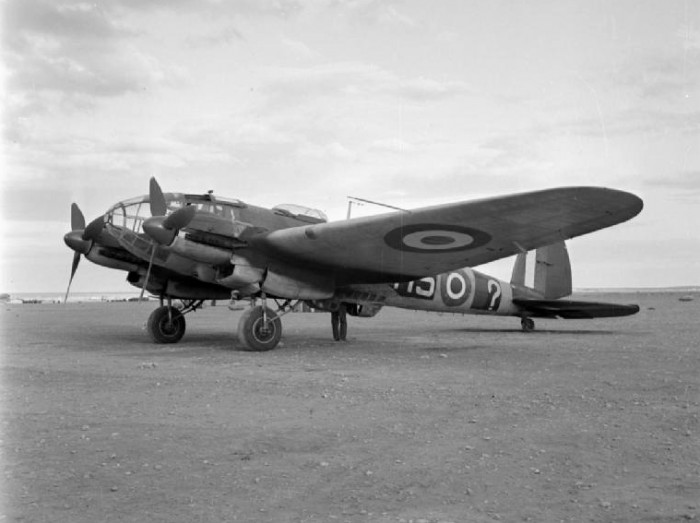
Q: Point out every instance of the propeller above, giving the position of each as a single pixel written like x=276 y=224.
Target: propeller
x=156 y=198
x=181 y=218
x=77 y=241
x=77 y=220
x=148 y=272
x=94 y=228
x=161 y=228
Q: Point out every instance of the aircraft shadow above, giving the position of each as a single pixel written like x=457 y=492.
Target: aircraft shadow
x=561 y=332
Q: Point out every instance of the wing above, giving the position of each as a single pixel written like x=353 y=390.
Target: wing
x=407 y=245
x=571 y=310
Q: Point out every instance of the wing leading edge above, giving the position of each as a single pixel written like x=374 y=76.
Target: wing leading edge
x=431 y=240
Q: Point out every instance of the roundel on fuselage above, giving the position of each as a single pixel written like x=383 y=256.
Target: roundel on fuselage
x=435 y=238
x=455 y=288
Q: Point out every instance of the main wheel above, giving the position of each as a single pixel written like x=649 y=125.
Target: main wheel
x=257 y=335
x=166 y=325
x=528 y=324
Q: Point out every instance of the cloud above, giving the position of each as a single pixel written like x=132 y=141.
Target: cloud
x=53 y=20
x=392 y=145
x=428 y=89
x=644 y=120
x=685 y=184
x=352 y=79
x=669 y=75
x=71 y=55
x=372 y=12
x=299 y=49
x=333 y=150
x=225 y=36
x=217 y=8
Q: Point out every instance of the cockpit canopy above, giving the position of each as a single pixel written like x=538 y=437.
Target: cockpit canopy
x=300 y=212
x=131 y=213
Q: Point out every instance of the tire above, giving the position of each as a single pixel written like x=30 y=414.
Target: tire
x=527 y=324
x=162 y=329
x=252 y=334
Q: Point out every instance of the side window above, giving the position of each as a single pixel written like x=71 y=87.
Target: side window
x=228 y=212
x=174 y=205
x=132 y=218
x=118 y=217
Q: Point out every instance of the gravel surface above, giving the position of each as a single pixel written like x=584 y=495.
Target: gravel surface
x=418 y=417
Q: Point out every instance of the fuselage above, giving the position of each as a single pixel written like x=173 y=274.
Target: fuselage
x=462 y=291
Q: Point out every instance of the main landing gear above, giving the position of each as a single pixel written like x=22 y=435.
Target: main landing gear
x=260 y=328
x=166 y=324
x=528 y=324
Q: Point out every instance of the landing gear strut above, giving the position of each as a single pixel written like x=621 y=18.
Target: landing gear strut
x=528 y=324
x=166 y=324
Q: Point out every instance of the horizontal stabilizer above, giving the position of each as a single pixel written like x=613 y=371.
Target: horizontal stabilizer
x=571 y=310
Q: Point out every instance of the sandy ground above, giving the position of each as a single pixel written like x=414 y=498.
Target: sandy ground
x=418 y=417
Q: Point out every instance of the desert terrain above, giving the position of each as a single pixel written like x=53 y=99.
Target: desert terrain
x=418 y=417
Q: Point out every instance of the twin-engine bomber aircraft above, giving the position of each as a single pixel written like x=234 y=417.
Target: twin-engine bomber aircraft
x=194 y=248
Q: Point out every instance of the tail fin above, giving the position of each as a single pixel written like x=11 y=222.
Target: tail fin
x=552 y=271
x=518 y=277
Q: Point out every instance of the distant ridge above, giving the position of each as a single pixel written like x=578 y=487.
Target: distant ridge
x=77 y=297
x=684 y=289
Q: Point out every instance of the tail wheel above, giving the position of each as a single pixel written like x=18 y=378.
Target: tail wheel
x=255 y=333
x=166 y=325
x=527 y=324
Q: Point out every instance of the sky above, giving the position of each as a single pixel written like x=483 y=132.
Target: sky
x=410 y=103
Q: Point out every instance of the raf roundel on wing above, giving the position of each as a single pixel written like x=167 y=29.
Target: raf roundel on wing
x=435 y=238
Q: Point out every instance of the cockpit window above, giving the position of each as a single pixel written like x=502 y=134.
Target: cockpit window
x=305 y=214
x=217 y=208
x=130 y=214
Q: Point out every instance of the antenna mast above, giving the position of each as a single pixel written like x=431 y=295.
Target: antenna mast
x=360 y=201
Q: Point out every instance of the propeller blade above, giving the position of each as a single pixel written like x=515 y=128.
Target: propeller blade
x=76 y=261
x=94 y=228
x=155 y=196
x=77 y=220
x=180 y=218
x=148 y=272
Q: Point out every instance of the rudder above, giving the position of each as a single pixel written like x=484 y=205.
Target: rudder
x=553 y=271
